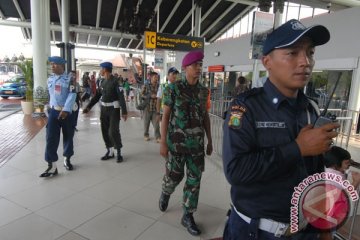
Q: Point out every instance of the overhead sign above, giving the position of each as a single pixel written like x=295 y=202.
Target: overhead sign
x=155 y=40
x=159 y=59
x=262 y=25
x=216 y=68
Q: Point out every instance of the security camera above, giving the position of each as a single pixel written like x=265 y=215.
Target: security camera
x=328 y=6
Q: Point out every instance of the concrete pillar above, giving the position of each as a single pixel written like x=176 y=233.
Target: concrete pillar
x=47 y=27
x=65 y=19
x=40 y=49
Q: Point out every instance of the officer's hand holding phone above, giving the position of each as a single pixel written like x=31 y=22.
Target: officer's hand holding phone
x=314 y=141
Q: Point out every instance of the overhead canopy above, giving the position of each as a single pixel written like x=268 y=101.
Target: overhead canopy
x=121 y=23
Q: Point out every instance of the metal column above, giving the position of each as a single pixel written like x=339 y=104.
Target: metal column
x=65 y=19
x=197 y=20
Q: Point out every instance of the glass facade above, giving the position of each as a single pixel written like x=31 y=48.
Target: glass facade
x=322 y=85
x=291 y=11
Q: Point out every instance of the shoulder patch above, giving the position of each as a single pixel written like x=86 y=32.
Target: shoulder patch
x=235 y=120
x=236 y=115
x=237 y=108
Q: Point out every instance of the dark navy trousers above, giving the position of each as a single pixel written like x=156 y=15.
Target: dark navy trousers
x=53 y=128
x=110 y=127
x=237 y=229
x=75 y=116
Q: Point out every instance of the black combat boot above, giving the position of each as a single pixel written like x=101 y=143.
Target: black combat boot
x=119 y=158
x=50 y=171
x=163 y=201
x=188 y=222
x=108 y=155
x=67 y=164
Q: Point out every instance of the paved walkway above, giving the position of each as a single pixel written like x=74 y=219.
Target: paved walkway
x=98 y=200
x=101 y=200
x=17 y=130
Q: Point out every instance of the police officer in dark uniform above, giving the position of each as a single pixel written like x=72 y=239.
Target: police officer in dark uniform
x=62 y=98
x=270 y=144
x=111 y=97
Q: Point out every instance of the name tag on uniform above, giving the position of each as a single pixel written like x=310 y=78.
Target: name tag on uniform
x=270 y=125
x=57 y=89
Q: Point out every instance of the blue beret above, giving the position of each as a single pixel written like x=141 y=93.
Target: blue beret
x=106 y=65
x=291 y=31
x=56 y=60
x=192 y=57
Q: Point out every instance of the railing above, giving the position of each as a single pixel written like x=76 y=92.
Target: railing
x=349 y=126
x=348 y=120
x=217 y=133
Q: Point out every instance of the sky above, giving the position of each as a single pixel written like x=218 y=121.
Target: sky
x=12 y=42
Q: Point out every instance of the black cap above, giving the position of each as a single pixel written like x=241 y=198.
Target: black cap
x=173 y=70
x=291 y=31
x=152 y=73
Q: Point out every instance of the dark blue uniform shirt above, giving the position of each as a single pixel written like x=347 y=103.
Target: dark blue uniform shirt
x=262 y=161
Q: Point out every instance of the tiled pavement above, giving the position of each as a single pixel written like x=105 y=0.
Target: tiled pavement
x=17 y=130
x=100 y=200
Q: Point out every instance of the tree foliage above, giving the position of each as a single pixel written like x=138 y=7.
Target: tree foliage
x=27 y=69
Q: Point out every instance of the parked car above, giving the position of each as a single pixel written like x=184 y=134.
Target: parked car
x=14 y=87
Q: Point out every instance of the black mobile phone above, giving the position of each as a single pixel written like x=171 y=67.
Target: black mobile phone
x=322 y=120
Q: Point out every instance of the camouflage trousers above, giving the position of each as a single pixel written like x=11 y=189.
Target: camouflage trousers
x=175 y=165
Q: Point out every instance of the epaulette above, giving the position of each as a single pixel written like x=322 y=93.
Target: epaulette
x=241 y=98
x=252 y=92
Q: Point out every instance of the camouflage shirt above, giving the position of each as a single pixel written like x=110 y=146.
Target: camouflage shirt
x=147 y=91
x=186 y=124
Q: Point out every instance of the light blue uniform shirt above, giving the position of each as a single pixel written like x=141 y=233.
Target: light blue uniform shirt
x=61 y=91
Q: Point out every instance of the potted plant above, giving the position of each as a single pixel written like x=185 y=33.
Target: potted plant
x=27 y=69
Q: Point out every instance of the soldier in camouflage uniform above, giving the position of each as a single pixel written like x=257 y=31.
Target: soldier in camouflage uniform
x=150 y=115
x=184 y=124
